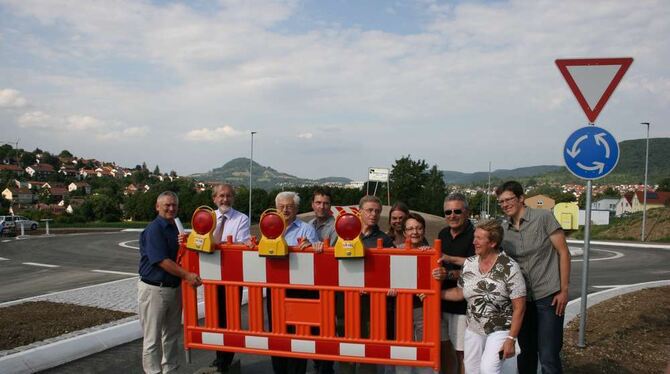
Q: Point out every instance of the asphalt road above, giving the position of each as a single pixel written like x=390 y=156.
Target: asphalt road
x=77 y=260
x=42 y=264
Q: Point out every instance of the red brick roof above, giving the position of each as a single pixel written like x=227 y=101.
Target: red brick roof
x=653 y=197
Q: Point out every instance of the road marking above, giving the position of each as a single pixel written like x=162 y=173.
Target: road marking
x=113 y=272
x=40 y=265
x=126 y=245
x=615 y=256
x=4 y=259
x=6 y=241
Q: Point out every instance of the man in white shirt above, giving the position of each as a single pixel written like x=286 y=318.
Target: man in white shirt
x=229 y=222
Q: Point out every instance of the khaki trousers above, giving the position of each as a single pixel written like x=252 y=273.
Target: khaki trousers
x=160 y=317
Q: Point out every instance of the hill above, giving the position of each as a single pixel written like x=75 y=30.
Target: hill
x=629 y=170
x=236 y=172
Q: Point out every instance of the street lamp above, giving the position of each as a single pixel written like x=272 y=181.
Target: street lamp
x=251 y=162
x=646 y=170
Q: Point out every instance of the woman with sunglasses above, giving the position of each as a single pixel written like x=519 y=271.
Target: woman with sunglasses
x=495 y=291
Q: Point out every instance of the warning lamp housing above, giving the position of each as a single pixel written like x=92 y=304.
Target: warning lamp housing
x=349 y=245
x=273 y=226
x=203 y=223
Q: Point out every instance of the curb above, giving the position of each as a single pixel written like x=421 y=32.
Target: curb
x=572 y=310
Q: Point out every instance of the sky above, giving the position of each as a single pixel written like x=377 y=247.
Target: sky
x=331 y=87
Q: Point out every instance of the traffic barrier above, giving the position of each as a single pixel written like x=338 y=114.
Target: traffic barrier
x=310 y=328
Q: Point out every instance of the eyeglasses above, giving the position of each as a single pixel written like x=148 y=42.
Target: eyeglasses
x=505 y=201
x=454 y=211
x=416 y=228
x=286 y=207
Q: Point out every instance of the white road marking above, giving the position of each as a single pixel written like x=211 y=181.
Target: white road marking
x=40 y=265
x=114 y=272
x=4 y=259
x=126 y=245
x=6 y=241
x=613 y=257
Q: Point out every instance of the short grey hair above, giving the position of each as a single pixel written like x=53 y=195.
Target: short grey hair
x=288 y=195
x=457 y=196
x=221 y=186
x=168 y=194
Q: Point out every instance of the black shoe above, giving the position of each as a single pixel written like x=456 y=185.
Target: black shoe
x=219 y=366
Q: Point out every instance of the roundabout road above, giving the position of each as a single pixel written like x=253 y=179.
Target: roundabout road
x=40 y=264
x=43 y=264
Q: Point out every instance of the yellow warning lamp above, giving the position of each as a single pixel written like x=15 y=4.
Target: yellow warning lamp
x=349 y=245
x=203 y=223
x=272 y=225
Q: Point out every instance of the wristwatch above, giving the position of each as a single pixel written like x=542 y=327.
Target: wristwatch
x=512 y=338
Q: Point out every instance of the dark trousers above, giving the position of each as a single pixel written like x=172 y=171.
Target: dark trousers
x=223 y=359
x=541 y=333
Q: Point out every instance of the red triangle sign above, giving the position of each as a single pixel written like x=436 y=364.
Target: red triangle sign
x=593 y=80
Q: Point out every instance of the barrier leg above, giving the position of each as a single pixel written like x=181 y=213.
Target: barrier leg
x=352 y=314
x=255 y=308
x=378 y=316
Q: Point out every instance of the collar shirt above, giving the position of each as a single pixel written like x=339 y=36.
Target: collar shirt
x=325 y=229
x=370 y=240
x=158 y=242
x=236 y=225
x=300 y=229
x=461 y=246
x=531 y=247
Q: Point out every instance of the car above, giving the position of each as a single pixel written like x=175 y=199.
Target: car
x=15 y=222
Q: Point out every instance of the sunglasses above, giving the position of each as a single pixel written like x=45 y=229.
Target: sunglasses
x=455 y=211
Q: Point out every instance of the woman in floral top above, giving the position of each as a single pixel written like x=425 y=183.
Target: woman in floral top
x=494 y=288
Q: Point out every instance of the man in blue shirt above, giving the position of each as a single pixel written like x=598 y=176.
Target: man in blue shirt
x=158 y=292
x=298 y=234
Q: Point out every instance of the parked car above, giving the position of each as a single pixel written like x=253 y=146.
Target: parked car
x=15 y=222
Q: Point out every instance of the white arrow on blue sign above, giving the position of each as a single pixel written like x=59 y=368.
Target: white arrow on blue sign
x=591 y=152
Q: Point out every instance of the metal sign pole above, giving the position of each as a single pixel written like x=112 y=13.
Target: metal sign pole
x=585 y=266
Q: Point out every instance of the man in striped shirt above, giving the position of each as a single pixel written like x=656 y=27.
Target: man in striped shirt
x=536 y=241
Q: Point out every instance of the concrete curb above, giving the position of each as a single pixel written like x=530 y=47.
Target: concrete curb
x=572 y=310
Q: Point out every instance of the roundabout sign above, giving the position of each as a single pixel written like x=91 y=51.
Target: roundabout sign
x=591 y=152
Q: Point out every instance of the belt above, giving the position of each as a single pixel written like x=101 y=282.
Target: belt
x=159 y=284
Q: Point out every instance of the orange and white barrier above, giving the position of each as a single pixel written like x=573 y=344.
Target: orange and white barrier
x=408 y=271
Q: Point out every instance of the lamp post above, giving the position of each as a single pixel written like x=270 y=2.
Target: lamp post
x=251 y=163
x=646 y=170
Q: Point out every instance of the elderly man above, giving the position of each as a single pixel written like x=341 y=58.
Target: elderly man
x=158 y=292
x=302 y=235
x=457 y=245
x=229 y=222
x=535 y=240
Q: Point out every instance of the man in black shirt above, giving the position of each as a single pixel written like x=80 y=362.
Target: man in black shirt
x=457 y=245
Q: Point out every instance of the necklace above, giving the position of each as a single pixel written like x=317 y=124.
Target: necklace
x=486 y=266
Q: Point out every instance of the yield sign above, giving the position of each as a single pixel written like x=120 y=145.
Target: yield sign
x=593 y=80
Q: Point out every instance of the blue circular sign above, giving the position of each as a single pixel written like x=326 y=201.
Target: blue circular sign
x=591 y=152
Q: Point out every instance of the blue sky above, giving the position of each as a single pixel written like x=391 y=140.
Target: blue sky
x=331 y=87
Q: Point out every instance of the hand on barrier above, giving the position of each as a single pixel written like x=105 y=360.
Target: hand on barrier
x=425 y=248
x=392 y=292
x=440 y=273
x=318 y=247
x=181 y=239
x=193 y=279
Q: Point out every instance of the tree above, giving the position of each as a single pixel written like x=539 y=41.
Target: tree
x=157 y=170
x=432 y=196
x=664 y=185
x=407 y=179
x=65 y=154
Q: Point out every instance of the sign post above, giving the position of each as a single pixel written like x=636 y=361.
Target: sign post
x=591 y=152
x=379 y=175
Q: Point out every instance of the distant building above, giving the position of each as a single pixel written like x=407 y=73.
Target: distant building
x=19 y=195
x=608 y=204
x=540 y=202
x=624 y=205
x=654 y=200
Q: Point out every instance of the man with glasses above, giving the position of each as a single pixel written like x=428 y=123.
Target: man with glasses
x=298 y=234
x=457 y=245
x=535 y=240
x=371 y=210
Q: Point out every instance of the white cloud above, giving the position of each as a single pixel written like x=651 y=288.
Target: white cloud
x=83 y=122
x=37 y=119
x=305 y=135
x=10 y=98
x=212 y=135
x=127 y=133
